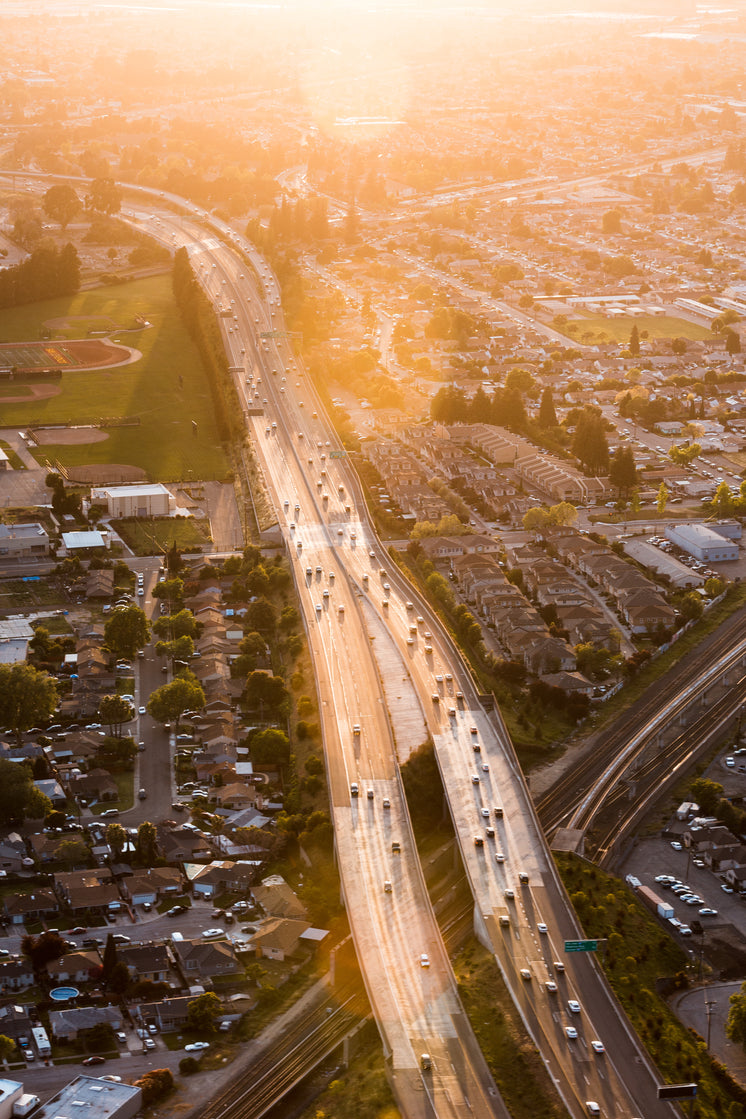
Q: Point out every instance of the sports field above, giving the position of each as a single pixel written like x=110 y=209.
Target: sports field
x=165 y=390
x=594 y=330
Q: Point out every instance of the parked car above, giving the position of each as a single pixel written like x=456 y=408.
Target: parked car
x=95 y=1060
x=196 y=1046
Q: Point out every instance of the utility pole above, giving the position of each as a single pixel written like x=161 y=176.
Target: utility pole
x=708 y=1010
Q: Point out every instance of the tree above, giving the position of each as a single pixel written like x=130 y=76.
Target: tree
x=71 y=852
x=114 y=712
x=589 y=443
x=611 y=222
x=202 y=1012
x=678 y=346
x=261 y=617
x=181 y=624
x=662 y=500
x=547 y=414
x=735 y=1025
x=732 y=342
x=126 y=630
x=7 y=1048
x=185 y=693
x=19 y=796
x=634 y=341
x=156 y=1084
x=270 y=745
x=147 y=843
x=42 y=949
x=61 y=204
x=27 y=697
x=535 y=520
x=265 y=691
x=170 y=590
x=116 y=839
x=180 y=649
x=105 y=197
x=622 y=470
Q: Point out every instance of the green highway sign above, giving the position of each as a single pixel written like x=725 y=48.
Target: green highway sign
x=338 y=454
x=581 y=945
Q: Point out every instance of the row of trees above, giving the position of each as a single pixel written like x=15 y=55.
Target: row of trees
x=45 y=274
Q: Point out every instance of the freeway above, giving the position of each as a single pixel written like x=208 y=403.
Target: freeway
x=408 y=977
x=565 y=1004
x=521 y=910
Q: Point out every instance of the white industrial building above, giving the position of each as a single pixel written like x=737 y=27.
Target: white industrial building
x=88 y=1097
x=702 y=542
x=17 y=541
x=10 y=1092
x=147 y=500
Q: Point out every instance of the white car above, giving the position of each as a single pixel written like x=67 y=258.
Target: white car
x=424 y=960
x=142 y=710
x=212 y=934
x=573 y=1006
x=197 y=1046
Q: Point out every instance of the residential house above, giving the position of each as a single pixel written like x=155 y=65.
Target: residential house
x=68 y=1025
x=279 y=937
x=277 y=898
x=145 y=962
x=75 y=967
x=217 y=877
x=34 y=906
x=15 y=1021
x=203 y=960
x=15 y=975
x=93 y=786
x=167 y=1014
x=13 y=853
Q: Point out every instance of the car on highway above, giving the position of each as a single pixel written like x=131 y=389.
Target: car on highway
x=571 y=1032
x=598 y=1046
x=558 y=966
x=573 y=1006
x=592 y=1107
x=424 y=960
x=499 y=857
x=525 y=974
x=196 y=1046
x=551 y=987
x=542 y=928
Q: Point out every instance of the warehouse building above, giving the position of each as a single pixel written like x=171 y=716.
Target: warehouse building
x=703 y=543
x=134 y=501
x=88 y=1097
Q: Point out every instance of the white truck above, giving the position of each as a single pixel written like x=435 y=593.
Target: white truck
x=24 y=1105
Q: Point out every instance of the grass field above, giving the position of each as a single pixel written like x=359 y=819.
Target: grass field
x=147 y=538
x=165 y=389
x=618 y=330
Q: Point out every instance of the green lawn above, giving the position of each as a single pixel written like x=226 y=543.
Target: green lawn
x=149 y=537
x=165 y=390
x=618 y=330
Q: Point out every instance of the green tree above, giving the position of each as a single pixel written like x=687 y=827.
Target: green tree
x=261 y=617
x=735 y=1025
x=547 y=414
x=105 y=197
x=155 y=1085
x=722 y=502
x=114 y=712
x=662 y=500
x=8 y=1049
x=732 y=342
x=170 y=701
x=28 y=696
x=180 y=649
x=61 y=204
x=72 y=852
x=589 y=443
x=126 y=630
x=536 y=520
x=611 y=222
x=147 y=843
x=270 y=745
x=116 y=839
x=202 y=1012
x=266 y=693
x=634 y=341
x=173 y=626
x=622 y=470
x=42 y=949
x=19 y=797
x=170 y=591
x=707 y=794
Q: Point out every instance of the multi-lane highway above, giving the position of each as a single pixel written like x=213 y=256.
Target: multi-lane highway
x=357 y=629
x=350 y=592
